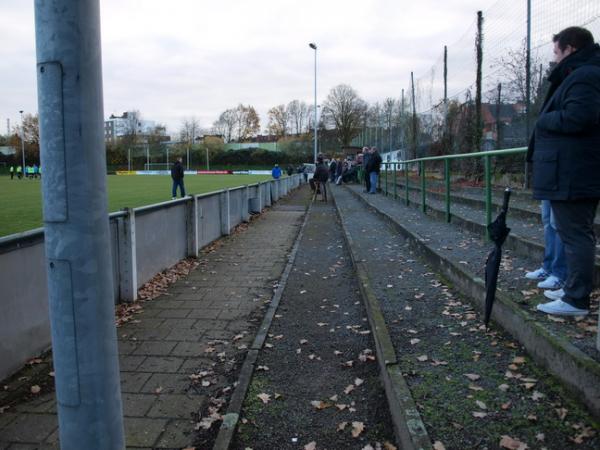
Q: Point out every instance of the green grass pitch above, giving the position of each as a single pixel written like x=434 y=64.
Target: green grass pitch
x=21 y=200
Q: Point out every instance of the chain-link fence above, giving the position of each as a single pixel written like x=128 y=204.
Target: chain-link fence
x=451 y=108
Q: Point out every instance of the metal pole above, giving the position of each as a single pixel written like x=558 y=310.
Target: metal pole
x=207 y=164
x=77 y=236
x=447 y=179
x=22 y=144
x=488 y=192
x=414 y=117
x=423 y=186
x=528 y=89
x=315 y=152
x=395 y=183
x=147 y=156
x=129 y=159
x=167 y=157
x=406 y=186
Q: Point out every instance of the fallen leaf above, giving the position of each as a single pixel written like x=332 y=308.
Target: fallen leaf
x=303 y=341
x=505 y=406
x=349 y=389
x=337 y=353
x=437 y=445
x=357 y=428
x=503 y=387
x=537 y=396
x=341 y=426
x=472 y=376
x=540 y=437
x=311 y=446
x=266 y=398
x=474 y=387
x=358 y=381
x=512 y=444
x=265 y=368
x=388 y=446
x=555 y=319
x=479 y=415
x=414 y=341
x=35 y=389
x=422 y=358
x=334 y=398
x=562 y=413
x=319 y=404
x=341 y=406
x=519 y=360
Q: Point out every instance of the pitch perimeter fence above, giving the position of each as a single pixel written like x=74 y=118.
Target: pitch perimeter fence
x=144 y=242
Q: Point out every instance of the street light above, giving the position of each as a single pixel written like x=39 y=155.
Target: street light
x=22 y=143
x=314 y=47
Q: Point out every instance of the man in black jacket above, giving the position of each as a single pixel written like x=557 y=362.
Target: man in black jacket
x=372 y=168
x=565 y=152
x=321 y=173
x=177 y=175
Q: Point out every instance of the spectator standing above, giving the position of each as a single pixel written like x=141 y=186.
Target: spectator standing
x=553 y=273
x=321 y=173
x=373 y=168
x=365 y=162
x=276 y=172
x=564 y=152
x=12 y=171
x=332 y=169
x=177 y=174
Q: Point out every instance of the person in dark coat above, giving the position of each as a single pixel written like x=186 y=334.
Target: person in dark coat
x=332 y=169
x=321 y=173
x=177 y=176
x=366 y=155
x=373 y=167
x=565 y=152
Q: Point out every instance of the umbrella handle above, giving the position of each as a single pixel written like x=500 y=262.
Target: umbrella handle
x=507 y=193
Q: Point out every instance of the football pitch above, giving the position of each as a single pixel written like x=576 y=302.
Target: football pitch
x=21 y=200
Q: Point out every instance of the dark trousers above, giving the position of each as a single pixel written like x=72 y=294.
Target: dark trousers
x=367 y=181
x=181 y=188
x=575 y=226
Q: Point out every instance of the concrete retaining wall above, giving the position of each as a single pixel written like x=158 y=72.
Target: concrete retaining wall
x=144 y=241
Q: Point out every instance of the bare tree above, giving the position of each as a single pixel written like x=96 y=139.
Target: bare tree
x=344 y=109
x=513 y=67
x=278 y=121
x=225 y=125
x=298 y=116
x=247 y=122
x=190 y=130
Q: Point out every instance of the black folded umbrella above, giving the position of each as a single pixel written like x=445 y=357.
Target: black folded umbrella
x=498 y=231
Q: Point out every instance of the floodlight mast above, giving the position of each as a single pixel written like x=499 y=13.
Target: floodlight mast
x=314 y=47
x=77 y=235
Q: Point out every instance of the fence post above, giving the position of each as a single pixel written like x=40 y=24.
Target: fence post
x=224 y=209
x=191 y=225
x=406 y=186
x=127 y=257
x=267 y=191
x=423 y=186
x=386 y=166
x=395 y=183
x=447 y=180
x=488 y=191
x=245 y=203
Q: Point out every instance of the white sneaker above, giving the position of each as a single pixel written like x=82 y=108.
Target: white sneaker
x=560 y=308
x=558 y=294
x=551 y=282
x=539 y=274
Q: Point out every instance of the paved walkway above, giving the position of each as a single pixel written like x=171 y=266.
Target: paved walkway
x=181 y=355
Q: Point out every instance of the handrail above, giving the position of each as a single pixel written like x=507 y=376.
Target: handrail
x=487 y=155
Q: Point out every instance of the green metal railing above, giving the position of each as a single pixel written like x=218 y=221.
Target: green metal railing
x=405 y=166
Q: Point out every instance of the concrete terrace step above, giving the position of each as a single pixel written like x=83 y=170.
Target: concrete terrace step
x=522 y=205
x=526 y=237
x=566 y=348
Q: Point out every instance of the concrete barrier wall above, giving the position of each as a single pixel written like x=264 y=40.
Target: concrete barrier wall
x=144 y=241
x=166 y=228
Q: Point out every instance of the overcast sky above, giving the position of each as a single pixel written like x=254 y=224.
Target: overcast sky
x=184 y=58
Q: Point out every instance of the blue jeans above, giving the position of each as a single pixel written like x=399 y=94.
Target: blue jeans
x=181 y=188
x=373 y=178
x=555 y=261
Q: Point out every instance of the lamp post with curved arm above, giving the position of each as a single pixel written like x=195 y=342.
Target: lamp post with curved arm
x=314 y=47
